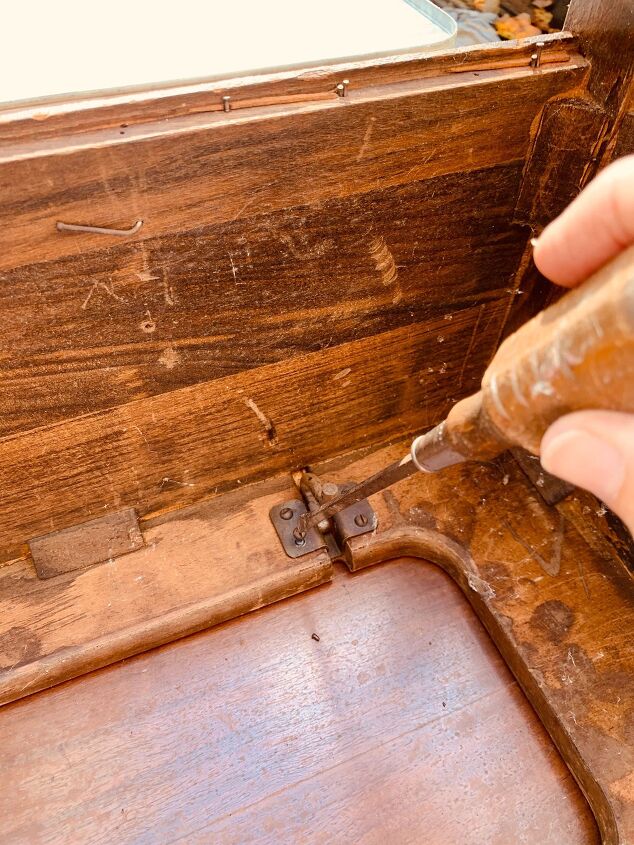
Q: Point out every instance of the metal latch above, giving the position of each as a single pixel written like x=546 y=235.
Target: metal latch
x=330 y=534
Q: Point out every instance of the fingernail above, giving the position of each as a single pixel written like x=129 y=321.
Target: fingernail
x=534 y=242
x=583 y=459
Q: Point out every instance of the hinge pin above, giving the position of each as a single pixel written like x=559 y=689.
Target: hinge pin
x=226 y=103
x=342 y=88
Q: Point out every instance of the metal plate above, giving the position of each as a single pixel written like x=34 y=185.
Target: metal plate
x=285 y=527
x=356 y=520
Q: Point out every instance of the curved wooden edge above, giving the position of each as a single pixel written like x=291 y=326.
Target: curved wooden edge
x=429 y=545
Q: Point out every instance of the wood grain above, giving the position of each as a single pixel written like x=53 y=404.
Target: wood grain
x=85 y=113
x=559 y=612
x=201 y=171
x=81 y=334
x=188 y=444
x=401 y=723
x=204 y=566
x=606 y=34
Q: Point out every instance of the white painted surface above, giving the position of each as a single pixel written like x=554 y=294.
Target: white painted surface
x=53 y=47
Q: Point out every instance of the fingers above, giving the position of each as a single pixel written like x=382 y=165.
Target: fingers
x=593 y=229
x=595 y=450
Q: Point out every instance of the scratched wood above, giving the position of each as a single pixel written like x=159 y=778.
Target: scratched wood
x=400 y=724
x=179 y=447
x=136 y=320
x=560 y=612
x=202 y=567
x=203 y=170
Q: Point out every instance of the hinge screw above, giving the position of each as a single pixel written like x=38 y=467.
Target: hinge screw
x=286 y=513
x=360 y=520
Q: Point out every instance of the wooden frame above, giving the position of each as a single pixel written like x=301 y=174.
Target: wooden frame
x=376 y=249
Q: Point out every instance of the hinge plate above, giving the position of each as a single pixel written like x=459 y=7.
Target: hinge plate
x=285 y=518
x=355 y=520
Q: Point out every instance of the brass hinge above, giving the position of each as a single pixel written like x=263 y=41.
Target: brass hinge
x=330 y=534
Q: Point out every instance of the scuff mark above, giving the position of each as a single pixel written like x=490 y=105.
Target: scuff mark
x=342 y=373
x=148 y=325
x=366 y=138
x=386 y=266
x=480 y=586
x=169 y=358
x=108 y=287
x=269 y=427
x=233 y=266
x=474 y=334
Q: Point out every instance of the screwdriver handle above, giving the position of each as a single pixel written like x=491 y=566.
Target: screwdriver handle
x=577 y=354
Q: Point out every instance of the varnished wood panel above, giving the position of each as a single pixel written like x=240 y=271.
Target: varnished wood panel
x=560 y=612
x=177 y=448
x=200 y=171
x=400 y=724
x=83 y=334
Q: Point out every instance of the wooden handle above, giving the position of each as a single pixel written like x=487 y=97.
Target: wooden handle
x=576 y=355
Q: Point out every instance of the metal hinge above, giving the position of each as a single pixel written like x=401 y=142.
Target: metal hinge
x=330 y=534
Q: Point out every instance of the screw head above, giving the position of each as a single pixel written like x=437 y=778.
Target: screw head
x=286 y=513
x=360 y=520
x=299 y=541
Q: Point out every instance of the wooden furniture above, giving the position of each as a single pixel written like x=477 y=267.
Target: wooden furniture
x=300 y=274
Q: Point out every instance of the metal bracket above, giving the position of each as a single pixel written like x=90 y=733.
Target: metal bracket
x=353 y=521
x=284 y=518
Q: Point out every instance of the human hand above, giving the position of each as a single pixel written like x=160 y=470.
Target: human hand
x=592 y=449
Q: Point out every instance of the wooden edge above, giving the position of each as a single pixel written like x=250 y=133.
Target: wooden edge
x=428 y=545
x=199 y=567
x=101 y=110
x=76 y=660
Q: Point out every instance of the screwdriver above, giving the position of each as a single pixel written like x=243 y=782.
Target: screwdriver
x=578 y=354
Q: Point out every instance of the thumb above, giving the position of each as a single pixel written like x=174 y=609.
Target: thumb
x=595 y=450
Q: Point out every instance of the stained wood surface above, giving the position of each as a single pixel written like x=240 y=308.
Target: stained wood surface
x=289 y=256
x=178 y=448
x=400 y=723
x=196 y=570
x=576 y=135
x=135 y=321
x=560 y=612
x=85 y=113
x=200 y=171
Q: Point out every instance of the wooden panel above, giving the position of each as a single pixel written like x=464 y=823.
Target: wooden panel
x=560 y=613
x=606 y=33
x=401 y=724
x=82 y=334
x=561 y=161
x=177 y=448
x=197 y=568
x=202 y=171
x=84 y=113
